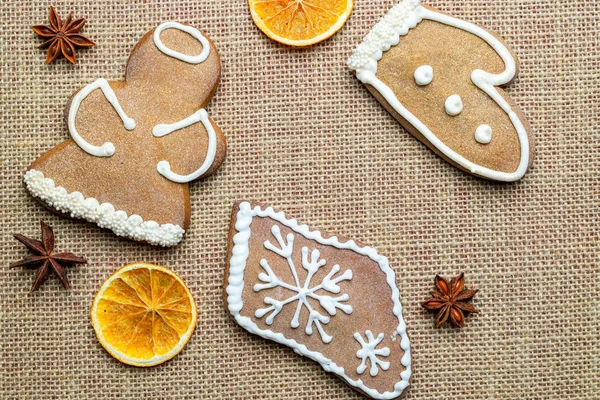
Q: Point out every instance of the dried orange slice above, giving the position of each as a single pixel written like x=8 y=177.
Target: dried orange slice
x=300 y=22
x=144 y=314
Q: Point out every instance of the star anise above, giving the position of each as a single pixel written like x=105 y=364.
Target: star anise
x=63 y=37
x=451 y=300
x=45 y=259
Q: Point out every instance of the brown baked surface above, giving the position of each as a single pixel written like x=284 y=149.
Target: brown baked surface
x=158 y=89
x=454 y=54
x=369 y=295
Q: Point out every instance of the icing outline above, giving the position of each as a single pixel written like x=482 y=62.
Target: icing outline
x=196 y=34
x=237 y=265
x=104 y=215
x=107 y=149
x=164 y=168
x=386 y=33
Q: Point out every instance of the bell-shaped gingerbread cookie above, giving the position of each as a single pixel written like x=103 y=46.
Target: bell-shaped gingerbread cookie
x=135 y=144
x=329 y=298
x=439 y=77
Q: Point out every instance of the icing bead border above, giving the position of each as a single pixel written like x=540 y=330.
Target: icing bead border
x=385 y=34
x=104 y=215
x=235 y=286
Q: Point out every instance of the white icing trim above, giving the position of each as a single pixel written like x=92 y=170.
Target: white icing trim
x=164 y=168
x=104 y=215
x=161 y=130
x=107 y=149
x=175 y=54
x=237 y=265
x=387 y=32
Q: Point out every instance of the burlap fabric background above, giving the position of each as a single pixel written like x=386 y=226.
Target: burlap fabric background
x=306 y=136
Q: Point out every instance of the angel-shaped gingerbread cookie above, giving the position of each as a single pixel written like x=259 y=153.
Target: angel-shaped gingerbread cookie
x=136 y=144
x=439 y=77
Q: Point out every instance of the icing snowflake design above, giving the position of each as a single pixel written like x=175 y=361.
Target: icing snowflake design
x=302 y=293
x=369 y=351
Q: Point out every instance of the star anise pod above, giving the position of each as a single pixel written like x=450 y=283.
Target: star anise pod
x=451 y=300
x=63 y=37
x=45 y=259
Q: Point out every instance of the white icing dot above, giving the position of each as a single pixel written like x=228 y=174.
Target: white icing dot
x=454 y=105
x=424 y=75
x=483 y=134
x=104 y=215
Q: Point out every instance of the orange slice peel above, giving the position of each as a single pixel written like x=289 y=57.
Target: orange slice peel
x=144 y=314
x=300 y=22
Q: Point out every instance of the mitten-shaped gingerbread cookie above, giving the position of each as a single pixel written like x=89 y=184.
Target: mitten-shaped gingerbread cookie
x=327 y=297
x=135 y=144
x=439 y=77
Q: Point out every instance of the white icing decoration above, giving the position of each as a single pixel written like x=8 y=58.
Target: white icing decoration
x=175 y=54
x=387 y=32
x=164 y=168
x=107 y=149
x=237 y=265
x=483 y=134
x=104 y=215
x=302 y=291
x=384 y=35
x=369 y=352
x=453 y=105
x=424 y=75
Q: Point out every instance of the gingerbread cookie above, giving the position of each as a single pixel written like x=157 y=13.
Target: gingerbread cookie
x=439 y=77
x=135 y=144
x=331 y=299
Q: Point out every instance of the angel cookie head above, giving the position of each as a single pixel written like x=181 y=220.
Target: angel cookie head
x=439 y=77
x=136 y=144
